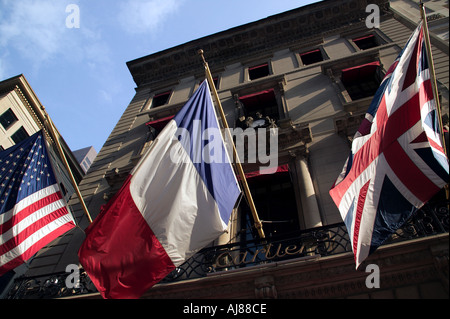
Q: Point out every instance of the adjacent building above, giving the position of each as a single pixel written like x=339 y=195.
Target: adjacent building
x=22 y=115
x=312 y=72
x=85 y=157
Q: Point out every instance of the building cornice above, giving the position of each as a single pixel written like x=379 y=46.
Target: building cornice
x=25 y=92
x=259 y=38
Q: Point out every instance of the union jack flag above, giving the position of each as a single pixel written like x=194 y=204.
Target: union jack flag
x=397 y=162
x=32 y=210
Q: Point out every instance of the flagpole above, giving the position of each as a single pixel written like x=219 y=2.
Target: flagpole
x=434 y=83
x=66 y=164
x=258 y=223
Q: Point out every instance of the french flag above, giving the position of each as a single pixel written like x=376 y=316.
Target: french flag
x=177 y=200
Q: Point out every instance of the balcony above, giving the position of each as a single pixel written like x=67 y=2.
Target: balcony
x=313 y=243
x=299 y=248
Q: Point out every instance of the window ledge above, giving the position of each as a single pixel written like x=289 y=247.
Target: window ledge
x=358 y=106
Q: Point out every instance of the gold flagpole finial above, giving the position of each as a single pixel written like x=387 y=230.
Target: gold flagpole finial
x=200 y=52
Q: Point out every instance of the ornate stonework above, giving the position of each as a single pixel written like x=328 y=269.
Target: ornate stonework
x=249 y=41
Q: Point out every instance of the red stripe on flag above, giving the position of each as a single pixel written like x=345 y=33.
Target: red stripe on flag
x=426 y=93
x=358 y=216
x=18 y=217
x=31 y=229
x=389 y=129
x=421 y=138
x=364 y=157
x=121 y=254
x=425 y=96
x=35 y=248
x=409 y=174
x=403 y=119
x=411 y=72
x=436 y=146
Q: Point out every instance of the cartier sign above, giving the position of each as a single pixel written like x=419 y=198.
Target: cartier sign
x=269 y=252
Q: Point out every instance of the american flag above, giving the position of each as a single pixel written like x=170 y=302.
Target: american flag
x=397 y=162
x=32 y=210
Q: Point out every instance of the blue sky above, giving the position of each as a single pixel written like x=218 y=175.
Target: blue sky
x=80 y=74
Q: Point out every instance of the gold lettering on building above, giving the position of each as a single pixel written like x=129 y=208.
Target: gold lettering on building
x=236 y=258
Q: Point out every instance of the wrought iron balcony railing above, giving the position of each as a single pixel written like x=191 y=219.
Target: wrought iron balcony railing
x=432 y=219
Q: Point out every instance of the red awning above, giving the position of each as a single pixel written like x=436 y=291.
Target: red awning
x=160 y=123
x=162 y=94
x=309 y=52
x=258 y=66
x=359 y=72
x=363 y=38
x=266 y=172
x=257 y=99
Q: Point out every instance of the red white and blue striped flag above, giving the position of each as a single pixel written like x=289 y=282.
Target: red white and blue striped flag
x=177 y=199
x=33 y=211
x=397 y=162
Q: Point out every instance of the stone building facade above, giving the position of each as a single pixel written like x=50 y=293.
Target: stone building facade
x=313 y=71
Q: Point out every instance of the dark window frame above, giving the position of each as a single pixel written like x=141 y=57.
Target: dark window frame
x=270 y=193
x=20 y=135
x=311 y=57
x=259 y=71
x=361 y=81
x=161 y=99
x=258 y=106
x=8 y=118
x=365 y=42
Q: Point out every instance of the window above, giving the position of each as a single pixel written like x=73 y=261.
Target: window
x=88 y=161
x=361 y=81
x=19 y=135
x=7 y=119
x=63 y=189
x=366 y=42
x=258 y=109
x=311 y=57
x=275 y=203
x=86 y=164
x=258 y=71
x=160 y=99
x=156 y=126
x=216 y=82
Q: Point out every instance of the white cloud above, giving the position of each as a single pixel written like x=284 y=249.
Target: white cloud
x=105 y=96
x=37 y=31
x=34 y=28
x=2 y=68
x=137 y=17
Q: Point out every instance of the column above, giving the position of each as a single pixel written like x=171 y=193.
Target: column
x=311 y=213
